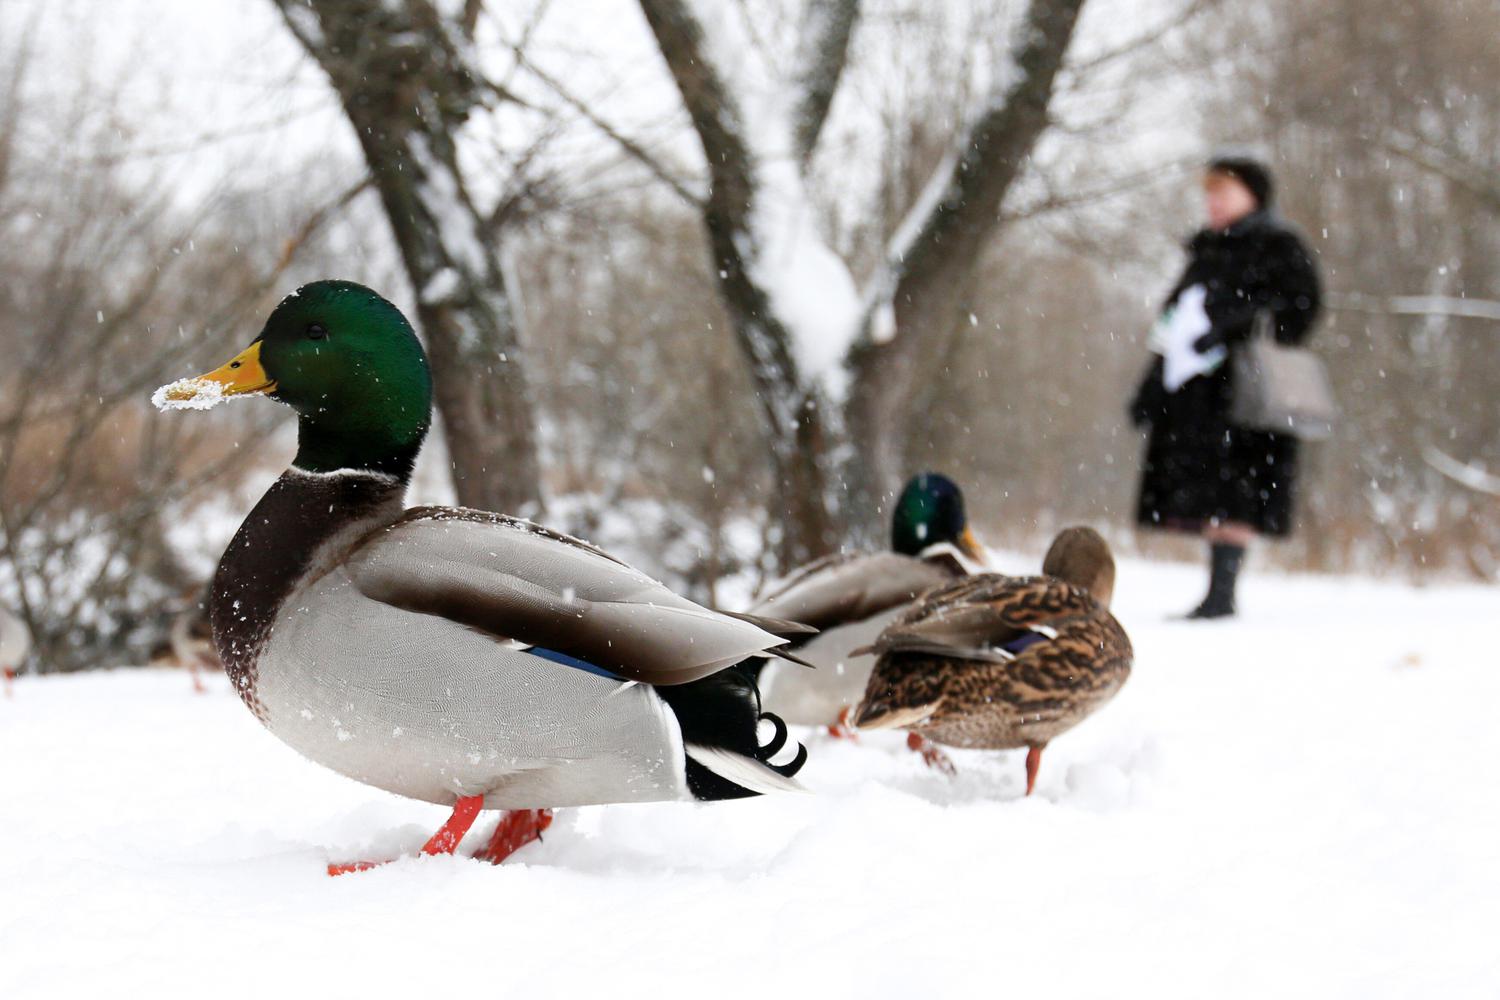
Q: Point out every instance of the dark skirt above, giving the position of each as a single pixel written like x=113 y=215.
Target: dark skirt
x=1200 y=469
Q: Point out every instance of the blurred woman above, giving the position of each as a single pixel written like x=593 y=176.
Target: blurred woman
x=1202 y=474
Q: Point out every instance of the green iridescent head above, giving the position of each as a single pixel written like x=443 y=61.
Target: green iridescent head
x=349 y=363
x=929 y=511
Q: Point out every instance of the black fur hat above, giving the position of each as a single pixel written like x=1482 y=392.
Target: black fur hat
x=1250 y=172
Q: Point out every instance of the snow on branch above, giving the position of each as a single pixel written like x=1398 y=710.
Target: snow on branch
x=745 y=113
x=1418 y=305
x=880 y=290
x=1473 y=477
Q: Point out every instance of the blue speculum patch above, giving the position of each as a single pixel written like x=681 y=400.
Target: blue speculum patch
x=572 y=661
x=1022 y=643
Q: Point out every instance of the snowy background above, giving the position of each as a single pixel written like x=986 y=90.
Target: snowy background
x=169 y=169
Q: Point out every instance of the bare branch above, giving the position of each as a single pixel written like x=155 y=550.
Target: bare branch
x=527 y=193
x=627 y=145
x=1469 y=476
x=314 y=222
x=195 y=144
x=14 y=102
x=708 y=102
x=469 y=19
x=1057 y=202
x=1472 y=178
x=1146 y=39
x=1416 y=305
x=820 y=65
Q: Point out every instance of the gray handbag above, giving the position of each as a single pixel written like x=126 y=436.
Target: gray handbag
x=1279 y=388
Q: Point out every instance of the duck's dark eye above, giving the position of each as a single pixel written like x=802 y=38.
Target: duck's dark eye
x=316 y=331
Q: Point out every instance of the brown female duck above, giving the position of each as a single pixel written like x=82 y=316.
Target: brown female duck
x=996 y=662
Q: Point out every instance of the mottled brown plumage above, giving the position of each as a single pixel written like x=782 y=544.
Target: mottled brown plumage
x=997 y=662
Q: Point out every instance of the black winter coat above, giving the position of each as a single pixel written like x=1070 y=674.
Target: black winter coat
x=1199 y=467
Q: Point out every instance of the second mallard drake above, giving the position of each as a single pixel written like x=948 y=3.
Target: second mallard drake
x=997 y=662
x=851 y=597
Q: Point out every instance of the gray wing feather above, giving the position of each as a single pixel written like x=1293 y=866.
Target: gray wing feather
x=969 y=632
x=844 y=589
x=503 y=578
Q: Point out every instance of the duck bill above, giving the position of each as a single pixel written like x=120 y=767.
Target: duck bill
x=242 y=375
x=971 y=546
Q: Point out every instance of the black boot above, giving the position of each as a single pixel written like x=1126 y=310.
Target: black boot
x=1225 y=564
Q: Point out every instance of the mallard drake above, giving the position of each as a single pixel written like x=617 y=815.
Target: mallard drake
x=457 y=656
x=15 y=644
x=852 y=597
x=998 y=662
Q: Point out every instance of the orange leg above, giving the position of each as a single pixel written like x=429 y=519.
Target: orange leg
x=1033 y=764
x=195 y=671
x=931 y=753
x=10 y=676
x=843 y=726
x=516 y=830
x=443 y=842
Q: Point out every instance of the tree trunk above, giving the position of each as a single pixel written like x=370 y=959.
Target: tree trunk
x=403 y=75
x=793 y=411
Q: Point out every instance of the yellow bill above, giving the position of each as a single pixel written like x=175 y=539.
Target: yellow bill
x=241 y=376
x=971 y=546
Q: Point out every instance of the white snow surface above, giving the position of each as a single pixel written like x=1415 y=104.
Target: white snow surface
x=1302 y=803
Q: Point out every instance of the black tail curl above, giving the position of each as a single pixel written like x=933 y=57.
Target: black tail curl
x=723 y=711
x=771 y=748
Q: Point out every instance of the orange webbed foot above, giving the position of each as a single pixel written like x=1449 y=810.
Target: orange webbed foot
x=842 y=728
x=932 y=754
x=1033 y=764
x=445 y=841
x=516 y=830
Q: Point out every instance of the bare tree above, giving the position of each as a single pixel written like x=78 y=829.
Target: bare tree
x=767 y=252
x=406 y=75
x=100 y=277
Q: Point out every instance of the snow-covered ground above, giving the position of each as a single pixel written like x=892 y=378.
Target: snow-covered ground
x=1303 y=803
